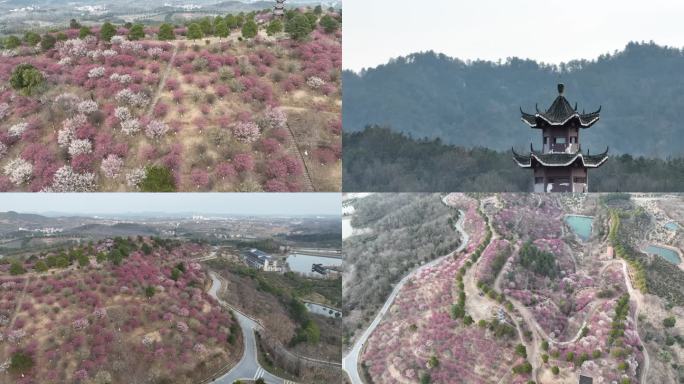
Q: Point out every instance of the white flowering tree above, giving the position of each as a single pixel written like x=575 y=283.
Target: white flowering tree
x=123 y=79
x=65 y=136
x=96 y=73
x=315 y=82
x=80 y=147
x=135 y=177
x=18 y=129
x=72 y=48
x=16 y=335
x=87 y=107
x=4 y=110
x=130 y=127
x=67 y=180
x=19 y=171
x=156 y=129
x=111 y=166
x=116 y=40
x=132 y=45
x=155 y=52
x=128 y=97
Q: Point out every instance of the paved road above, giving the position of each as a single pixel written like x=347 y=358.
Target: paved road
x=350 y=361
x=248 y=368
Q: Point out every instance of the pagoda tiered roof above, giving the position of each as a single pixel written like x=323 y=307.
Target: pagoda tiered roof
x=560 y=113
x=559 y=159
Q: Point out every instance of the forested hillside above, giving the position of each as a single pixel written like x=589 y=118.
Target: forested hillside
x=380 y=160
x=476 y=104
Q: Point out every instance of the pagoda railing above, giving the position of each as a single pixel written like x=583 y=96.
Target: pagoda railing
x=562 y=148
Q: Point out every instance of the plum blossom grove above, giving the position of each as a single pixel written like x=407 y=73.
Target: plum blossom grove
x=196 y=110
x=421 y=312
x=102 y=314
x=580 y=308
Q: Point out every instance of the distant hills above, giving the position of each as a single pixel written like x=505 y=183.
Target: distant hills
x=82 y=226
x=476 y=104
x=119 y=229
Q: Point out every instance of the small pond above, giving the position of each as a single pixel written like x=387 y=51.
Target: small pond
x=672 y=226
x=303 y=263
x=666 y=253
x=581 y=225
x=322 y=310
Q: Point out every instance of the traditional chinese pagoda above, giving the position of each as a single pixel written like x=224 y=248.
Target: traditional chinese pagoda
x=560 y=166
x=279 y=8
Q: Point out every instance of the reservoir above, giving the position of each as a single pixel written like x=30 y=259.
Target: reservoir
x=303 y=263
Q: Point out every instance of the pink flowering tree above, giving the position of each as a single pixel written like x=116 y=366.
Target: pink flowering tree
x=246 y=132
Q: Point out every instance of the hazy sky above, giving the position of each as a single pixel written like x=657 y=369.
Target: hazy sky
x=552 y=31
x=205 y=203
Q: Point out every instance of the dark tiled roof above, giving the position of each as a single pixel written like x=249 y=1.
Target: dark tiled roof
x=585 y=380
x=560 y=113
x=560 y=159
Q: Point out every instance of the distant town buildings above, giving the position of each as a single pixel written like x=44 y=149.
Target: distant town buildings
x=46 y=231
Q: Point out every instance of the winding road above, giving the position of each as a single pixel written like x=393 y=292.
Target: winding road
x=351 y=358
x=248 y=368
x=350 y=361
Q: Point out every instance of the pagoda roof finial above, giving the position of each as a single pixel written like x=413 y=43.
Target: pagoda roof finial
x=560 y=113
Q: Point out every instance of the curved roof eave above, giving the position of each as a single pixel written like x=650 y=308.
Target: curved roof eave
x=581 y=156
x=574 y=115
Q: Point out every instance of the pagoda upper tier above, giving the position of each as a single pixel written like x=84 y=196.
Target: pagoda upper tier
x=560 y=114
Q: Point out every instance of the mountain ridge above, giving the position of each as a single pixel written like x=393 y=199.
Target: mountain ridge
x=477 y=103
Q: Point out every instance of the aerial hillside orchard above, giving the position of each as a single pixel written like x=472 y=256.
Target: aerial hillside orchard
x=117 y=311
x=236 y=103
x=528 y=300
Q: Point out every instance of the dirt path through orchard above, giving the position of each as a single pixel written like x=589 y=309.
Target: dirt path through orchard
x=162 y=82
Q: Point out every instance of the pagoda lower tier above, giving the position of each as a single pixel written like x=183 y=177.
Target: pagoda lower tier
x=560 y=172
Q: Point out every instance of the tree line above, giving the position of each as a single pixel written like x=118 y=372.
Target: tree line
x=379 y=159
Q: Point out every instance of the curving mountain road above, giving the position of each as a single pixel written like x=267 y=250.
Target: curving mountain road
x=248 y=368
x=350 y=361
